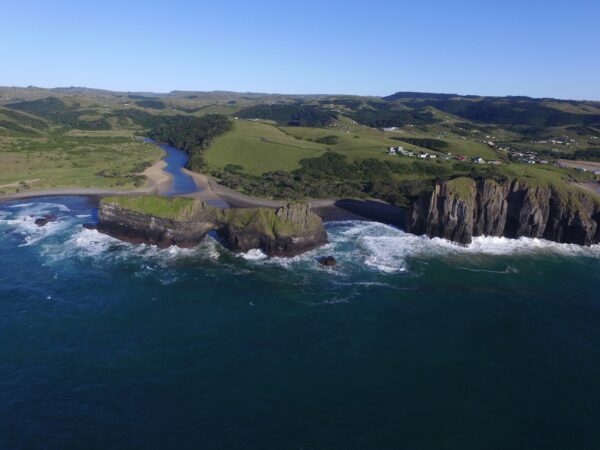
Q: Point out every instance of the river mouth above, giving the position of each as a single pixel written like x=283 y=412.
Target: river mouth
x=181 y=182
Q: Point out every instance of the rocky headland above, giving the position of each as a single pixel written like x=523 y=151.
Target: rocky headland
x=166 y=221
x=461 y=208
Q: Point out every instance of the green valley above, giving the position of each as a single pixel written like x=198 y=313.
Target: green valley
x=284 y=146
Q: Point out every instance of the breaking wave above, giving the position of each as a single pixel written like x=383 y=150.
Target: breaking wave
x=40 y=208
x=86 y=243
x=388 y=250
x=253 y=255
x=356 y=245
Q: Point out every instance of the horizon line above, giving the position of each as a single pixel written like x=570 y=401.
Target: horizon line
x=225 y=91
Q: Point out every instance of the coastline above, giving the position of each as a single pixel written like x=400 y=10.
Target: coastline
x=210 y=191
x=158 y=182
x=327 y=209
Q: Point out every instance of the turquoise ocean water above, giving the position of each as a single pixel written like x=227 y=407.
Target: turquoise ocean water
x=409 y=343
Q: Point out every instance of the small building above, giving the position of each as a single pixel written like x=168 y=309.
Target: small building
x=461 y=158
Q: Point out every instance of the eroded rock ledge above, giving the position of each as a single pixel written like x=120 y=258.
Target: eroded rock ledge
x=164 y=221
x=462 y=208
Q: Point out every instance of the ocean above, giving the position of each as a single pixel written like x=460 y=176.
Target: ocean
x=409 y=343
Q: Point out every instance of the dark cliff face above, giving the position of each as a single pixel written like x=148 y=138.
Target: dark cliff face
x=297 y=230
x=139 y=228
x=462 y=208
x=287 y=231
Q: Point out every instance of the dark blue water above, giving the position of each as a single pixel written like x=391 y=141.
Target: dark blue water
x=410 y=343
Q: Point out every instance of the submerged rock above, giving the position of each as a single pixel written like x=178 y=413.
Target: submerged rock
x=328 y=261
x=462 y=208
x=42 y=221
x=184 y=222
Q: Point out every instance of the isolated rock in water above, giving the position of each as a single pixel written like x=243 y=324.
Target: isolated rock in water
x=42 y=221
x=161 y=221
x=286 y=231
x=184 y=222
x=462 y=208
x=90 y=226
x=328 y=261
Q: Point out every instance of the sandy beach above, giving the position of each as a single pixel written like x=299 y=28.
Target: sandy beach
x=328 y=209
x=209 y=190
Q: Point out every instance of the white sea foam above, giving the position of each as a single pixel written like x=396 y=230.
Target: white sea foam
x=387 y=249
x=89 y=243
x=40 y=208
x=253 y=255
x=30 y=232
x=84 y=243
x=354 y=244
x=21 y=218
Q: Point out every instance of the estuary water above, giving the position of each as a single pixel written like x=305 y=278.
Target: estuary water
x=176 y=160
x=409 y=343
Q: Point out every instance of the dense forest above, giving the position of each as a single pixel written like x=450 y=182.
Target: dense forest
x=333 y=175
x=590 y=154
x=514 y=111
x=55 y=109
x=16 y=128
x=328 y=140
x=142 y=118
x=297 y=114
x=191 y=134
x=150 y=103
x=24 y=119
x=420 y=95
x=350 y=103
x=428 y=143
x=383 y=115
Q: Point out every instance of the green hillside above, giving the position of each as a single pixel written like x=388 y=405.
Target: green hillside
x=278 y=145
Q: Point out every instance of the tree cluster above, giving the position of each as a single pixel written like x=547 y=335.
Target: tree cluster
x=191 y=134
x=428 y=143
x=56 y=110
x=292 y=114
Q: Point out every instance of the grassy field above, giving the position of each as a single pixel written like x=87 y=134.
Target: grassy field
x=260 y=147
x=542 y=174
x=354 y=141
x=69 y=161
x=40 y=151
x=164 y=207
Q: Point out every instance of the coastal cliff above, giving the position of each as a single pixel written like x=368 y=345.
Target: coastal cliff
x=462 y=208
x=163 y=221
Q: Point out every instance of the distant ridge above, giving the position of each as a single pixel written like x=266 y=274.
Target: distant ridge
x=413 y=95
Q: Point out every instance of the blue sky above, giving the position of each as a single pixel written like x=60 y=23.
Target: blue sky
x=536 y=48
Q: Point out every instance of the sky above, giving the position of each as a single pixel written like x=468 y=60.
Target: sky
x=504 y=47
